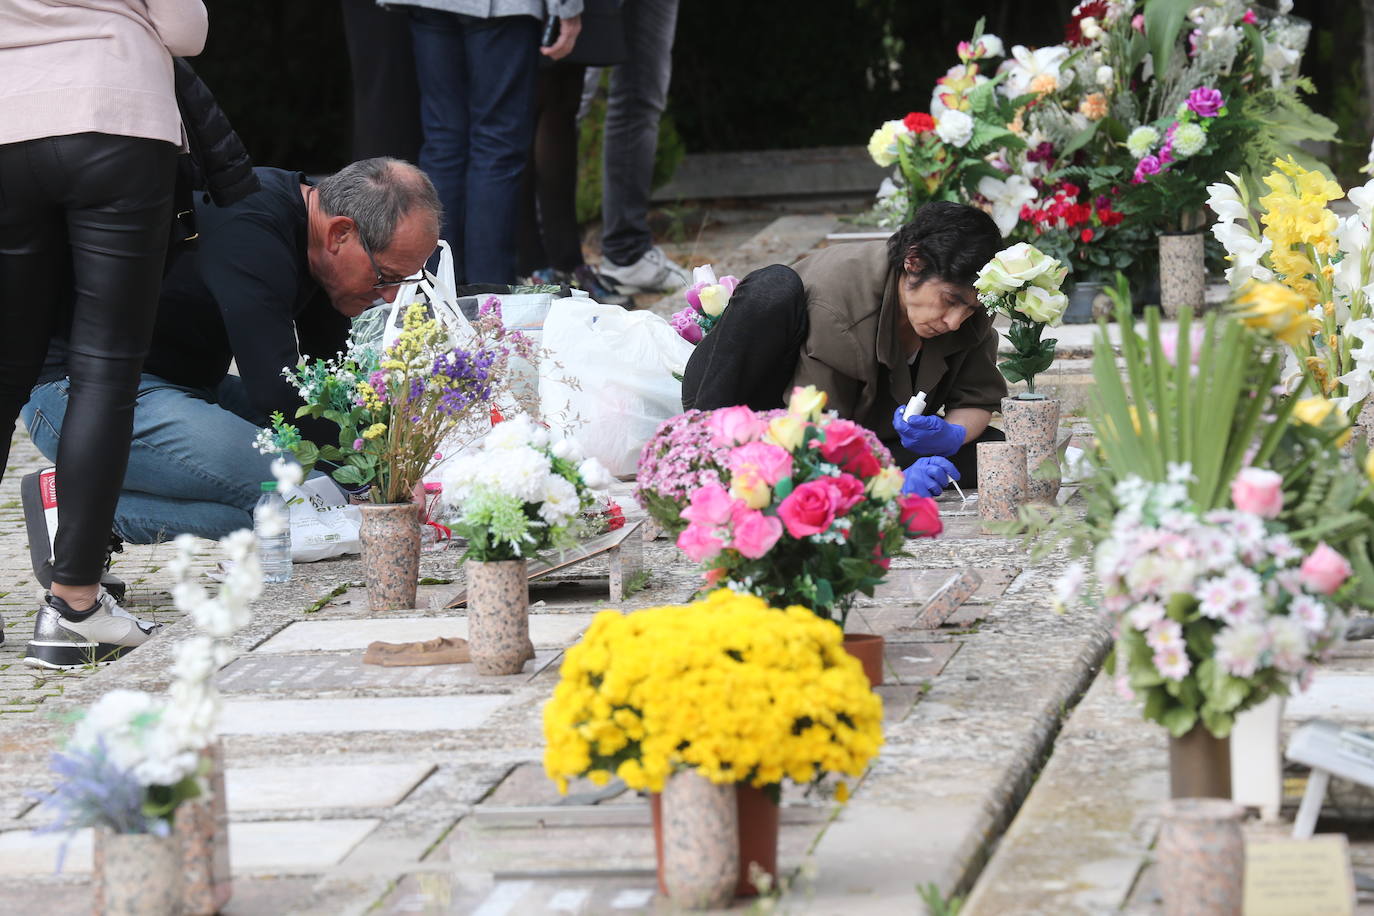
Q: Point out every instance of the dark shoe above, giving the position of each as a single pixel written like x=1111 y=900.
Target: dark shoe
x=596 y=286
x=38 y=493
x=64 y=638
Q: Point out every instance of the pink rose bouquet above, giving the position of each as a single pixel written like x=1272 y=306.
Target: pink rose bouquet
x=706 y=298
x=804 y=508
x=1214 y=612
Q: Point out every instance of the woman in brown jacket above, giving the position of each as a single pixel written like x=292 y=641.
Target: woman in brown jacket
x=871 y=324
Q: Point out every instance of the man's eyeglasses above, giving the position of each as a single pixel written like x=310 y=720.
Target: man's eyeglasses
x=383 y=282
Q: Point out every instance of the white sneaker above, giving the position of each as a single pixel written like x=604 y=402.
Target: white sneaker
x=654 y=272
x=63 y=639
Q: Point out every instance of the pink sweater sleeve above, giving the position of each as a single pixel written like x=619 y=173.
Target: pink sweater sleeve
x=181 y=24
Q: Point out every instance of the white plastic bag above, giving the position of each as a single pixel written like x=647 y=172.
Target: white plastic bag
x=623 y=364
x=322 y=523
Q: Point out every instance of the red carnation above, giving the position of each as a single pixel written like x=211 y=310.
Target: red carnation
x=919 y=122
x=1086 y=235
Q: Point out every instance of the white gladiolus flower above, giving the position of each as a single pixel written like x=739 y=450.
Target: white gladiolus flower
x=1225 y=202
x=955 y=128
x=1363 y=199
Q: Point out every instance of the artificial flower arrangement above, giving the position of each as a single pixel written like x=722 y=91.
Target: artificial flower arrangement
x=1214 y=611
x=1304 y=275
x=133 y=758
x=810 y=511
x=681 y=457
x=1085 y=231
x=942 y=154
x=1022 y=283
x=706 y=298
x=396 y=407
x=521 y=494
x=737 y=690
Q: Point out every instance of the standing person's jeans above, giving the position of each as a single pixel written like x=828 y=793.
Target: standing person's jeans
x=634 y=105
x=84 y=220
x=476 y=81
x=193 y=468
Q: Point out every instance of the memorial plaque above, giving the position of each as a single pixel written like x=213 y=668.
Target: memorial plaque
x=1287 y=877
x=268 y=673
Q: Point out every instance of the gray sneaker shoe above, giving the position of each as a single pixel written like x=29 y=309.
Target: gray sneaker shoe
x=654 y=272
x=63 y=638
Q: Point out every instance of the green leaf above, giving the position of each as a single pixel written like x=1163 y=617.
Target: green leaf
x=1163 y=21
x=783 y=488
x=1179 y=720
x=1079 y=140
x=1217 y=722
x=349 y=476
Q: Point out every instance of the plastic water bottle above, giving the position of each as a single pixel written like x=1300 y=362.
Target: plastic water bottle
x=274 y=550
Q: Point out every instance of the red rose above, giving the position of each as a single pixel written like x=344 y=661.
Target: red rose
x=918 y=122
x=848 y=492
x=846 y=445
x=809 y=509
x=920 y=516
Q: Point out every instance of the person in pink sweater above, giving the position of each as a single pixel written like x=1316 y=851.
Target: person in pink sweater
x=89 y=134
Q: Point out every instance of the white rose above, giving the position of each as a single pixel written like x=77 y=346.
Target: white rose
x=1043 y=305
x=1020 y=265
x=1105 y=75
x=954 y=127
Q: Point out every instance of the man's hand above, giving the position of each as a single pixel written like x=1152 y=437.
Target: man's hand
x=929 y=435
x=568 y=30
x=928 y=477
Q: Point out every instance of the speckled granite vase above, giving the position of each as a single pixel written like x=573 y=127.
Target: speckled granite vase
x=1001 y=480
x=202 y=826
x=1201 y=855
x=758 y=816
x=498 y=615
x=700 y=841
x=1034 y=423
x=140 y=874
x=390 y=536
x=1182 y=272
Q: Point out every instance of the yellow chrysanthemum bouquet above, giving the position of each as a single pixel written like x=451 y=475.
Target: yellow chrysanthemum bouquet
x=728 y=686
x=1305 y=275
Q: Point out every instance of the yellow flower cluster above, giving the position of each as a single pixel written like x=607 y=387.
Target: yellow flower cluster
x=418 y=332
x=1298 y=222
x=729 y=686
x=375 y=430
x=1279 y=309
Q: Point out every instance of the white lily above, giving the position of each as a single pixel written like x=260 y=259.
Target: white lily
x=1007 y=198
x=1025 y=65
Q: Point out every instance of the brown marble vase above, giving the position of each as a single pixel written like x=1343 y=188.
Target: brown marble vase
x=390 y=537
x=1199 y=765
x=1201 y=855
x=202 y=826
x=498 y=615
x=758 y=817
x=140 y=874
x=1182 y=272
x=1034 y=423
x=700 y=824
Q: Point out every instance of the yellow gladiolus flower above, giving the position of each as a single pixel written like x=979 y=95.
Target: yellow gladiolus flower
x=1279 y=310
x=1313 y=411
x=807 y=402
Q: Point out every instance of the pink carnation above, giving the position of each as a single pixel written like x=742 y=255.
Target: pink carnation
x=1324 y=571
x=771 y=462
x=755 y=533
x=699 y=542
x=1144 y=168
x=734 y=425
x=1206 y=102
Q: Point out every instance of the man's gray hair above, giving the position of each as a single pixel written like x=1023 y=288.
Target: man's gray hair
x=376 y=194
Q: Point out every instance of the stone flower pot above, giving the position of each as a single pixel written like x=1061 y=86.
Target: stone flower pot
x=1083 y=308
x=1182 y=272
x=390 y=536
x=1201 y=855
x=700 y=825
x=1001 y=480
x=758 y=817
x=140 y=874
x=202 y=826
x=1034 y=423
x=498 y=616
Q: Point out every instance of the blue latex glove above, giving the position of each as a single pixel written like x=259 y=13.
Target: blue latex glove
x=929 y=435
x=928 y=477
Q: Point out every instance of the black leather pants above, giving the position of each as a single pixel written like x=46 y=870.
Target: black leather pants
x=83 y=233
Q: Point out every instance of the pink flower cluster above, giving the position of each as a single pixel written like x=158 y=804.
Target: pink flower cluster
x=678 y=459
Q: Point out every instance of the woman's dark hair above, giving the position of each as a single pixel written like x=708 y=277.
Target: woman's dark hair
x=953 y=242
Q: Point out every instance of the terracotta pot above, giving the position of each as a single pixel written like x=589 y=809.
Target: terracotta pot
x=1201 y=855
x=1001 y=480
x=1182 y=272
x=700 y=841
x=498 y=616
x=390 y=537
x=1034 y=423
x=758 y=817
x=1199 y=765
x=140 y=874
x=868 y=649
x=202 y=827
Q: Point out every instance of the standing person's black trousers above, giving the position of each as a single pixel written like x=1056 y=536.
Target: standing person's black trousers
x=83 y=232
x=751 y=355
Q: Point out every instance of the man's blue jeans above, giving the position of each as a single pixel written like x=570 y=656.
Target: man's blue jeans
x=476 y=81
x=193 y=468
